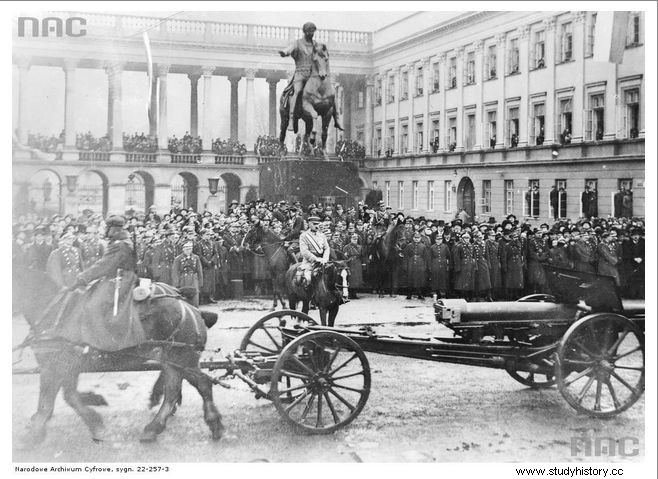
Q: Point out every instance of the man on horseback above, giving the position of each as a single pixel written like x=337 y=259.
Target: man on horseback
x=302 y=52
x=314 y=249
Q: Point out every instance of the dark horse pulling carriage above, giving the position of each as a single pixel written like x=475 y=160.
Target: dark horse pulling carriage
x=584 y=339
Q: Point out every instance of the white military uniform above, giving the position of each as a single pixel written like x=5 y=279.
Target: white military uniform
x=313 y=247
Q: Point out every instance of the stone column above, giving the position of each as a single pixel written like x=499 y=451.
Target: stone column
x=250 y=109
x=347 y=109
x=234 y=106
x=550 y=135
x=443 y=117
x=153 y=120
x=69 y=102
x=411 y=76
x=426 y=113
x=367 y=131
x=524 y=110
x=384 y=146
x=115 y=125
x=23 y=71
x=163 y=131
x=194 y=103
x=579 y=100
x=479 y=78
x=460 y=95
x=397 y=83
x=206 y=135
x=272 y=106
x=500 y=75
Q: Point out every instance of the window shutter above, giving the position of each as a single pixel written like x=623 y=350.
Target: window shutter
x=587 y=124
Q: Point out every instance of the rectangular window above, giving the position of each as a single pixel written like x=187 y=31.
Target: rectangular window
x=435 y=136
x=401 y=195
x=633 y=31
x=565 y=119
x=414 y=195
x=378 y=92
x=537 y=124
x=390 y=147
x=591 y=31
x=469 y=71
x=452 y=81
x=404 y=86
x=420 y=80
x=490 y=62
x=378 y=141
x=435 y=77
x=470 y=131
x=513 y=57
x=512 y=137
x=360 y=99
x=447 y=196
x=631 y=122
x=391 y=89
x=561 y=186
x=566 y=42
x=419 y=137
x=509 y=197
x=491 y=128
x=595 y=116
x=593 y=185
x=531 y=204
x=430 y=195
x=625 y=183
x=486 y=196
x=404 y=139
x=538 y=52
x=387 y=193
x=451 y=140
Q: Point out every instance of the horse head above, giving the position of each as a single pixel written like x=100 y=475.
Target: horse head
x=321 y=60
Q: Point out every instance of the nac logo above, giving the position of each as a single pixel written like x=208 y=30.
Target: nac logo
x=52 y=26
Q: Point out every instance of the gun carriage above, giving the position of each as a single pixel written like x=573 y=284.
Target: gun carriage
x=583 y=338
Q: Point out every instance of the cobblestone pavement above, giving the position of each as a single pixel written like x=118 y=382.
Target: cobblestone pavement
x=417 y=411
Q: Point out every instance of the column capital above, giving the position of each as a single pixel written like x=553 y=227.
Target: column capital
x=412 y=65
x=163 y=69
x=442 y=57
x=579 y=17
x=70 y=64
x=234 y=80
x=194 y=77
x=524 y=32
x=460 y=52
x=549 y=24
x=500 y=38
x=479 y=46
x=273 y=82
x=113 y=68
x=426 y=61
x=250 y=73
x=206 y=70
x=23 y=63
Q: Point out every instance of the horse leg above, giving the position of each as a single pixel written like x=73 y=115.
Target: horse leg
x=333 y=312
x=50 y=381
x=305 y=306
x=323 y=316
x=172 y=391
x=158 y=391
x=334 y=114
x=91 y=418
x=325 y=127
x=210 y=413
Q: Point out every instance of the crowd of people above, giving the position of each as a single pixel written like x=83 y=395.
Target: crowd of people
x=187 y=144
x=479 y=261
x=228 y=147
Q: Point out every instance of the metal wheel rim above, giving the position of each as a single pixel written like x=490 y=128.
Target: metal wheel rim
x=322 y=400
x=601 y=365
x=265 y=335
x=530 y=381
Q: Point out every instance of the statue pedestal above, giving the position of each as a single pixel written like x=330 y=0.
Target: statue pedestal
x=310 y=181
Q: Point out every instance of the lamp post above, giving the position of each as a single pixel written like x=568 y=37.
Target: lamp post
x=213 y=185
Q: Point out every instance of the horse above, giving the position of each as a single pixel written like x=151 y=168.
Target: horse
x=176 y=334
x=317 y=99
x=277 y=257
x=323 y=290
x=381 y=264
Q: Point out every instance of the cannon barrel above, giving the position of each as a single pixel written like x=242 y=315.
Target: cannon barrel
x=459 y=311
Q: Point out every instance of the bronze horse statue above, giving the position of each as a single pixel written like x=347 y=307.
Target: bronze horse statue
x=325 y=290
x=273 y=247
x=176 y=334
x=317 y=99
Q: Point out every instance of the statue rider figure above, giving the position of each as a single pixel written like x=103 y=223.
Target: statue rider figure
x=302 y=52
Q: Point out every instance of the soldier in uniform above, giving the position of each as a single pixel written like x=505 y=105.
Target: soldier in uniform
x=439 y=258
x=38 y=253
x=233 y=241
x=314 y=249
x=512 y=263
x=65 y=263
x=537 y=255
x=207 y=253
x=465 y=266
x=221 y=272
x=403 y=235
x=583 y=253
x=164 y=255
x=187 y=273
x=483 y=267
x=493 y=254
x=92 y=248
x=608 y=256
x=354 y=255
x=416 y=259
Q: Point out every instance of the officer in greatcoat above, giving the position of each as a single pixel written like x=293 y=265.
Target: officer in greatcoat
x=354 y=255
x=187 y=273
x=65 y=262
x=416 y=260
x=608 y=256
x=164 y=255
x=493 y=254
x=439 y=258
x=464 y=266
x=512 y=263
x=537 y=255
x=207 y=253
x=483 y=268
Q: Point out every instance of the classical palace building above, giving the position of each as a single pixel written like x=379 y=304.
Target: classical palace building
x=469 y=111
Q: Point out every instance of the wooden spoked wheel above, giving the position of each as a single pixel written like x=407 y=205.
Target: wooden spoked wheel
x=533 y=380
x=265 y=336
x=321 y=382
x=600 y=364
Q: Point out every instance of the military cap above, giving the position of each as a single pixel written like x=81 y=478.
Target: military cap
x=409 y=220
x=234 y=202
x=115 y=221
x=313 y=218
x=416 y=234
